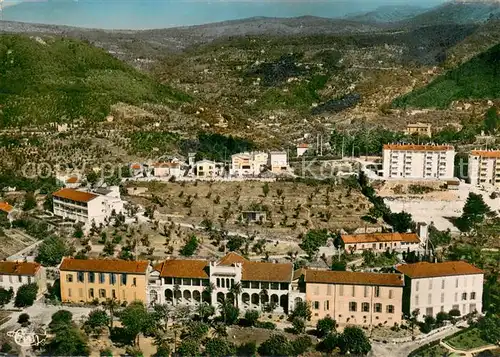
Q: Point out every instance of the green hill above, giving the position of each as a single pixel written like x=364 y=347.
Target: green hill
x=479 y=78
x=61 y=80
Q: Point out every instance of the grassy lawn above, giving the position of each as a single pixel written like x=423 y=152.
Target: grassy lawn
x=466 y=340
x=434 y=351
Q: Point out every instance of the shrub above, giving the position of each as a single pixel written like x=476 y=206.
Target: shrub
x=251 y=317
x=301 y=345
x=266 y=324
x=325 y=326
x=23 y=319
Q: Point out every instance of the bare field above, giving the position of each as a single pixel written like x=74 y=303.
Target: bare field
x=291 y=208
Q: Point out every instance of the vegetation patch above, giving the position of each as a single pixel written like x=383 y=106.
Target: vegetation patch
x=466 y=339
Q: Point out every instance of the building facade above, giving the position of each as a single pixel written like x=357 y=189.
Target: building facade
x=436 y=287
x=421 y=129
x=302 y=149
x=87 y=207
x=418 y=161
x=190 y=282
x=89 y=280
x=205 y=168
x=381 y=242
x=484 y=168
x=15 y=274
x=248 y=163
x=356 y=298
x=166 y=169
x=278 y=162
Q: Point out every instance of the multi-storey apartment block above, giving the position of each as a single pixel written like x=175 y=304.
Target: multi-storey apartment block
x=190 y=282
x=484 y=168
x=87 y=207
x=248 y=163
x=353 y=297
x=435 y=287
x=87 y=280
x=15 y=274
x=418 y=161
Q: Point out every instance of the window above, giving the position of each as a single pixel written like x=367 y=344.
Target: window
x=218 y=282
x=416 y=300
x=473 y=295
x=377 y=307
x=391 y=294
x=329 y=290
x=69 y=292
x=430 y=284
x=377 y=291
x=456 y=297
x=20 y=278
x=442 y=284
x=1 y=278
x=316 y=305
x=456 y=282
x=102 y=278
x=134 y=282
x=112 y=278
x=390 y=309
x=29 y=279
x=464 y=296
x=417 y=285
x=69 y=278
x=91 y=277
x=316 y=290
x=113 y=294
x=341 y=290
x=428 y=311
x=124 y=279
x=455 y=307
x=91 y=293
x=102 y=293
x=353 y=306
x=442 y=297
x=429 y=298
x=80 y=277
x=353 y=290
x=365 y=307
x=327 y=305
x=366 y=291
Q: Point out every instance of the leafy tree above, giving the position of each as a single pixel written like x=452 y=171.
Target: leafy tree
x=78 y=231
x=92 y=178
x=23 y=319
x=196 y=330
x=48 y=203
x=136 y=320
x=265 y=189
x=454 y=315
x=354 y=341
x=190 y=247
x=218 y=347
x=69 y=341
x=302 y=310
x=491 y=294
x=338 y=265
x=51 y=251
x=439 y=238
x=29 y=201
x=489 y=326
x=301 y=344
x=251 y=317
x=5 y=296
x=329 y=343
x=96 y=322
x=229 y=313
x=247 y=349
x=413 y=319
x=401 y=222
x=428 y=325
x=441 y=317
x=276 y=345
x=369 y=257
x=163 y=351
x=474 y=212
x=234 y=243
x=26 y=295
x=313 y=240
x=491 y=120
x=205 y=311
x=325 y=326
x=189 y=347
x=60 y=320
x=299 y=325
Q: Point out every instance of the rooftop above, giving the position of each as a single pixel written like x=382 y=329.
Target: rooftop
x=429 y=270
x=412 y=147
x=5 y=207
x=72 y=179
x=104 y=265
x=380 y=237
x=352 y=278
x=74 y=195
x=19 y=268
x=183 y=268
x=486 y=153
x=303 y=145
x=418 y=125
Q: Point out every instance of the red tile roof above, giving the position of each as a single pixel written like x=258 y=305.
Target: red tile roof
x=4 y=206
x=231 y=258
x=19 y=268
x=74 y=195
x=72 y=179
x=485 y=153
x=135 y=166
x=380 y=237
x=104 y=265
x=429 y=270
x=303 y=146
x=352 y=278
x=412 y=147
x=183 y=268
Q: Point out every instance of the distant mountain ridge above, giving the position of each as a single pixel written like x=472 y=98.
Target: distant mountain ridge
x=388 y=14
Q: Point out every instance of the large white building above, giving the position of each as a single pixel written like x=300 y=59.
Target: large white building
x=484 y=167
x=87 y=207
x=248 y=163
x=436 y=287
x=418 y=161
x=278 y=161
x=191 y=282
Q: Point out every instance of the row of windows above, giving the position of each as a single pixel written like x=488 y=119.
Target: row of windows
x=443 y=283
x=102 y=294
x=91 y=278
x=65 y=200
x=13 y=279
x=353 y=307
x=472 y=296
x=351 y=291
x=472 y=308
x=185 y=281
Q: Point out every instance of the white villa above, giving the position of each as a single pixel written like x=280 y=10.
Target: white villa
x=248 y=163
x=14 y=274
x=278 y=162
x=184 y=281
